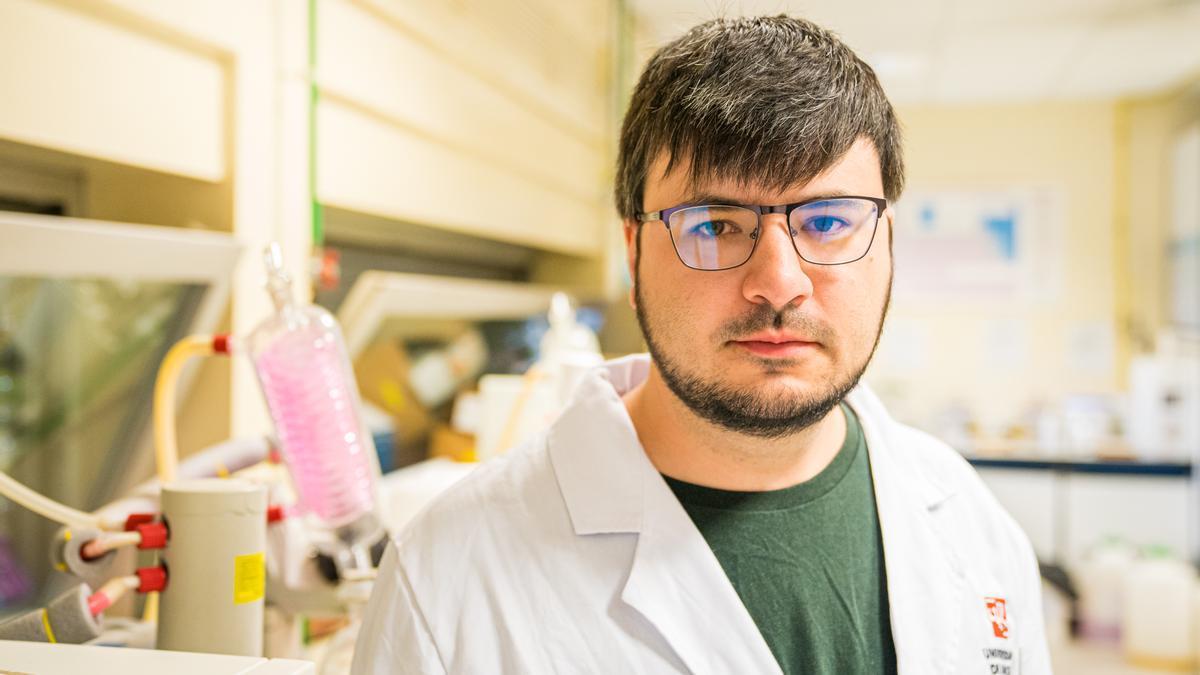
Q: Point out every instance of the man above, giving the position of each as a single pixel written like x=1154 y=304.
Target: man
x=736 y=502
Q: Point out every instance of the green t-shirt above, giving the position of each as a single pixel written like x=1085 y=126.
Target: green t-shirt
x=807 y=562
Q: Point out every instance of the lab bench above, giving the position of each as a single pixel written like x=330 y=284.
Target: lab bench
x=1067 y=505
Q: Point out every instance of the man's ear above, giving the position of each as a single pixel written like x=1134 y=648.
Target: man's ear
x=630 y=229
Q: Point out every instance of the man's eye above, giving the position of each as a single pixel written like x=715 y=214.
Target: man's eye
x=713 y=228
x=826 y=225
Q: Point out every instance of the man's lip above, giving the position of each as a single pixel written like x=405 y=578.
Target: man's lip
x=775 y=338
x=765 y=349
x=775 y=345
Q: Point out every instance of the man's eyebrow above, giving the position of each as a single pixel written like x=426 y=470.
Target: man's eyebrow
x=715 y=198
x=828 y=194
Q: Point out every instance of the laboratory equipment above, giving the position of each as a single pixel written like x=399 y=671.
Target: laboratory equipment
x=74 y=616
x=330 y=480
x=217 y=563
x=339 y=653
x=87 y=310
x=1164 y=419
x=306 y=377
x=214 y=531
x=1157 y=625
x=515 y=406
x=1099 y=577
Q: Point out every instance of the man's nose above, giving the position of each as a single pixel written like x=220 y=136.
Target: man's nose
x=775 y=273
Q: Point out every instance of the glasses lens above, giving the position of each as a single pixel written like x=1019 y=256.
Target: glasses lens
x=834 y=231
x=713 y=237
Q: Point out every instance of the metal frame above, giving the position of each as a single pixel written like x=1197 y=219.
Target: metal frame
x=664 y=216
x=64 y=248
x=51 y=246
x=377 y=296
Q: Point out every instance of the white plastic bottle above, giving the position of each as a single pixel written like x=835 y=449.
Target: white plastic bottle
x=568 y=349
x=1099 y=578
x=1157 y=622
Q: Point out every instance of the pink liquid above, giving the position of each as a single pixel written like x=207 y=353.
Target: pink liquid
x=307 y=383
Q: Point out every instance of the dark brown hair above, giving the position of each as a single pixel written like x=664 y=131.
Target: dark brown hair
x=771 y=101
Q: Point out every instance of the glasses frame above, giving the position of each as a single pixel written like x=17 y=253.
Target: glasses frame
x=664 y=215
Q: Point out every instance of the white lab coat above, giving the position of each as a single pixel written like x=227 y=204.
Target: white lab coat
x=571 y=555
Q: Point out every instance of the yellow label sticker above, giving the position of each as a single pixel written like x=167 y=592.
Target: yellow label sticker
x=249 y=578
x=393 y=395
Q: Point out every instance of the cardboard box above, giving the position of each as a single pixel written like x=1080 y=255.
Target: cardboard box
x=382 y=372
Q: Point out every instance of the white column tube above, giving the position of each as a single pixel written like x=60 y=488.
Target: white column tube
x=215 y=564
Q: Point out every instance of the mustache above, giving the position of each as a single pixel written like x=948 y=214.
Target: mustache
x=767 y=318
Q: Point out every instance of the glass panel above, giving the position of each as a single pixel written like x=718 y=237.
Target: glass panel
x=78 y=359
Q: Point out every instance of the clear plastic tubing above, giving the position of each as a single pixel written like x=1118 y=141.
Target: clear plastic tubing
x=302 y=364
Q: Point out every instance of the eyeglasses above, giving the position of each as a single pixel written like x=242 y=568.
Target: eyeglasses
x=825 y=231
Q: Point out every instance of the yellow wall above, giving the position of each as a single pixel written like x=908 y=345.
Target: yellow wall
x=1147 y=127
x=997 y=358
x=1109 y=161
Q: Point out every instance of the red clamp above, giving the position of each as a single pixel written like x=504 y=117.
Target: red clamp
x=151 y=579
x=275 y=513
x=134 y=519
x=328 y=268
x=220 y=344
x=154 y=535
x=98 y=602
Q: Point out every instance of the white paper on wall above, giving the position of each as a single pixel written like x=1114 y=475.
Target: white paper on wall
x=1091 y=348
x=1000 y=245
x=904 y=346
x=1006 y=345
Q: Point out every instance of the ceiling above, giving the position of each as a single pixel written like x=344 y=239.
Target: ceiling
x=969 y=51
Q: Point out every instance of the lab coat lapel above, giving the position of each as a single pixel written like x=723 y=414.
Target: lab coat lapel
x=679 y=586
x=925 y=581
x=674 y=581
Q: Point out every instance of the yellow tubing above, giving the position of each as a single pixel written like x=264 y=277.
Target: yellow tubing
x=150 y=609
x=509 y=433
x=166 y=454
x=46 y=626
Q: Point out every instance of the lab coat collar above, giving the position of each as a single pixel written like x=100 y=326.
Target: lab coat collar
x=878 y=426
x=609 y=486
x=597 y=457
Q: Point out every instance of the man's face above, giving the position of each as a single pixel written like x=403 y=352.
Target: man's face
x=769 y=347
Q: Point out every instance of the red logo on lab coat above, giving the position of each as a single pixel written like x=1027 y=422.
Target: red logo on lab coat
x=999 y=616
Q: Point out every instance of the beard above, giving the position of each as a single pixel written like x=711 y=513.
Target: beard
x=750 y=411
